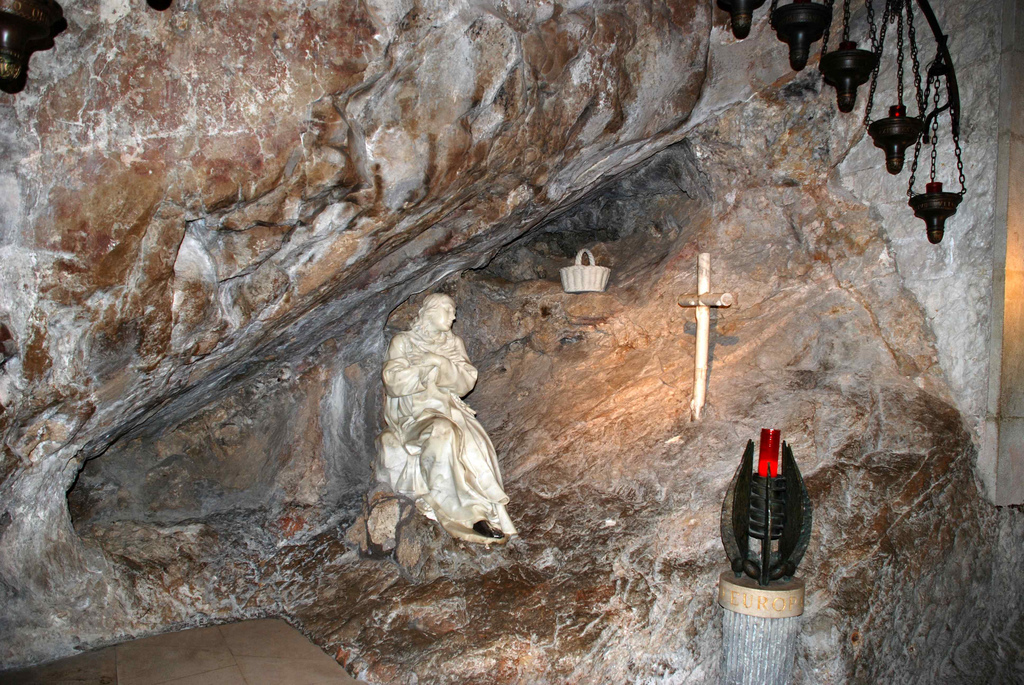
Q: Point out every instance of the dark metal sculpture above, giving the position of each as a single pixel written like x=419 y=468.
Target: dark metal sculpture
x=766 y=508
x=24 y=25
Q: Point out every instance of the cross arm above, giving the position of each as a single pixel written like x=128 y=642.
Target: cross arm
x=707 y=300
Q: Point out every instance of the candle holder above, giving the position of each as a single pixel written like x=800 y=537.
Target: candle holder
x=762 y=601
x=935 y=206
x=894 y=134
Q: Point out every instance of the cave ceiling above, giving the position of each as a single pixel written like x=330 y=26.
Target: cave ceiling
x=211 y=190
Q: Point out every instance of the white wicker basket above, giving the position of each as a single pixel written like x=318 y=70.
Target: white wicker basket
x=580 y=278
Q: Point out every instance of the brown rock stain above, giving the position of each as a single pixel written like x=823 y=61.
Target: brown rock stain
x=36 y=358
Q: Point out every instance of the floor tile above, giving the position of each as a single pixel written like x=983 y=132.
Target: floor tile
x=271 y=671
x=263 y=652
x=270 y=637
x=92 y=668
x=222 y=676
x=172 y=655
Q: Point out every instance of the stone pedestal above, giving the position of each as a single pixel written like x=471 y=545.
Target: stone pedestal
x=759 y=629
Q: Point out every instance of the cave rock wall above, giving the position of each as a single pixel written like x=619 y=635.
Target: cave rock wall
x=207 y=254
x=200 y=199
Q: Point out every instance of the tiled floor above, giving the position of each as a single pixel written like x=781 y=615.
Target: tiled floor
x=267 y=652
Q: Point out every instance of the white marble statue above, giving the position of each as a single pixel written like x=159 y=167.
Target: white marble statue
x=433 y=449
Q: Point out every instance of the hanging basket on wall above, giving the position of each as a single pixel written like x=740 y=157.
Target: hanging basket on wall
x=583 y=278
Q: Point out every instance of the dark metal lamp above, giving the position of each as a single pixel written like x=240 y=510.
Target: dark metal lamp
x=934 y=206
x=894 y=134
x=799 y=24
x=846 y=69
x=24 y=24
x=741 y=13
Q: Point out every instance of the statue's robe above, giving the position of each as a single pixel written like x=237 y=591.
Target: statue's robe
x=460 y=483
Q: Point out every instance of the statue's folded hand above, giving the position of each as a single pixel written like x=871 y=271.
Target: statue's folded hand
x=436 y=360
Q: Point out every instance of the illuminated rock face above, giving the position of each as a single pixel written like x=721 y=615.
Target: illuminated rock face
x=620 y=494
x=199 y=200
x=198 y=250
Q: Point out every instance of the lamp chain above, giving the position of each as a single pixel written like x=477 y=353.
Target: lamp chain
x=828 y=28
x=956 y=146
x=913 y=166
x=871 y=24
x=879 y=47
x=933 y=135
x=922 y=102
x=959 y=164
x=899 y=54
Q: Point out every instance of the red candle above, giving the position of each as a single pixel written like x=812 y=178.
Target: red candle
x=769 y=456
x=933 y=187
x=898 y=111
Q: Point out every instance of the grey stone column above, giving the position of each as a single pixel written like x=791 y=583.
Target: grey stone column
x=757 y=651
x=759 y=630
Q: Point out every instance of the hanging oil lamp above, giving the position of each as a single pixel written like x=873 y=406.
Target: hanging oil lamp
x=894 y=134
x=848 y=68
x=741 y=14
x=799 y=24
x=802 y=22
x=898 y=131
x=845 y=70
x=934 y=205
x=23 y=24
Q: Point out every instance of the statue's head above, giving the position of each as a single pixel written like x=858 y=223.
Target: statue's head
x=436 y=314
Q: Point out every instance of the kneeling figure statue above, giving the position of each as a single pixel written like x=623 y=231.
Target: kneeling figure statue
x=433 y=449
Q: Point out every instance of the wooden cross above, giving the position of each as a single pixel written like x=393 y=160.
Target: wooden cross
x=702 y=303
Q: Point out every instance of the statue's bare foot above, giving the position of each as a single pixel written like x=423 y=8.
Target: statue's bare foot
x=485 y=529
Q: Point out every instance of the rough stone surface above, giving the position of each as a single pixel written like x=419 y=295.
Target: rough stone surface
x=617 y=495
x=202 y=198
x=197 y=276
